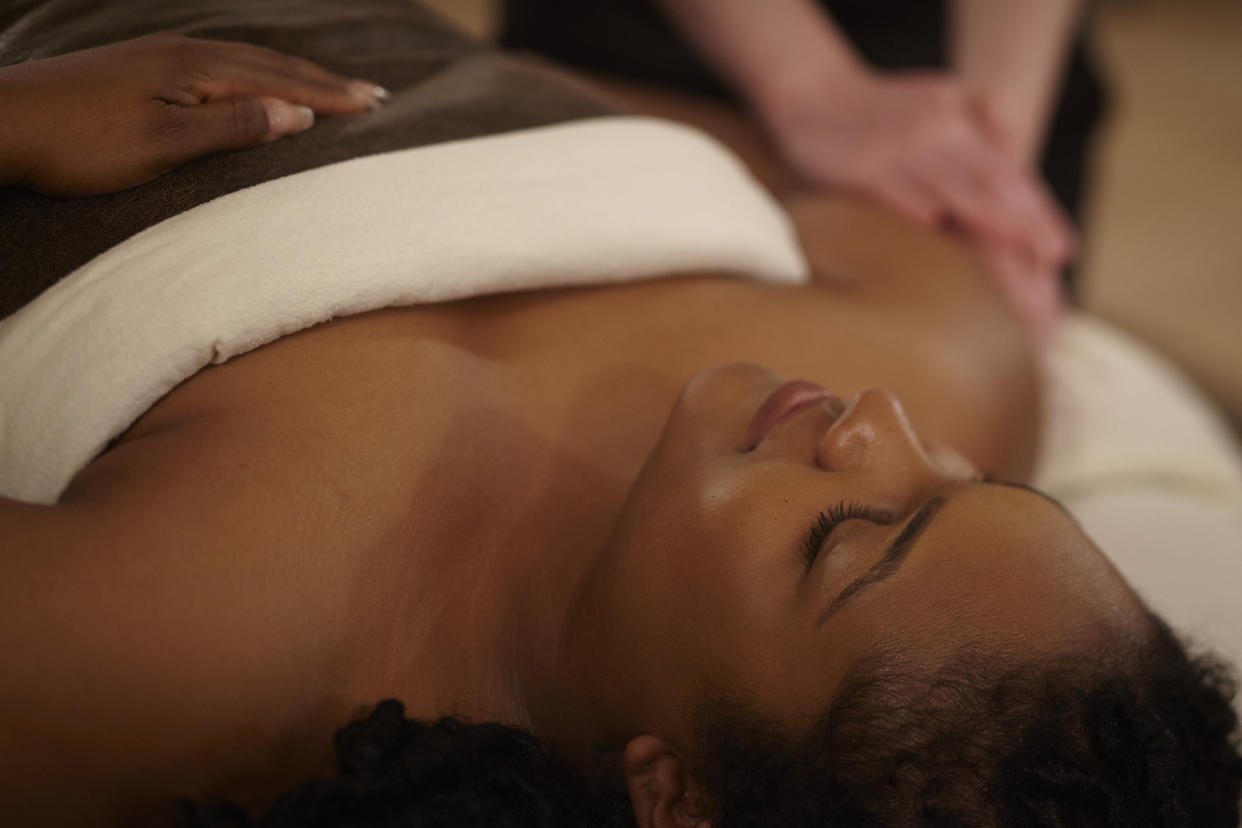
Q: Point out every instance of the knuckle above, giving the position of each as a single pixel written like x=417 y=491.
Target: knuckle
x=187 y=83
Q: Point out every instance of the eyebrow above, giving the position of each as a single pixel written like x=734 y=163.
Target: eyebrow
x=896 y=553
x=1013 y=484
x=890 y=562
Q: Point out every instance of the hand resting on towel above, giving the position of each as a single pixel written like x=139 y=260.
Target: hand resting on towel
x=111 y=118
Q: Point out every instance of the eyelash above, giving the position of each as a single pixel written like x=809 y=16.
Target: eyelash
x=827 y=521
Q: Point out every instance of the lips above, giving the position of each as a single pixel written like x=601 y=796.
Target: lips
x=783 y=402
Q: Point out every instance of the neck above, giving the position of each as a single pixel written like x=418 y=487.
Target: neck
x=473 y=621
x=551 y=679
x=530 y=467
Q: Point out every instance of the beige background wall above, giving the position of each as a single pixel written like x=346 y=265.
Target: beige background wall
x=1165 y=255
x=1164 y=251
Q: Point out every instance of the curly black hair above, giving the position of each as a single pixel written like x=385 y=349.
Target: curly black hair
x=396 y=772
x=1138 y=736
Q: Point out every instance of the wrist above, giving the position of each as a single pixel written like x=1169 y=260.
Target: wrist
x=788 y=56
x=1016 y=124
x=791 y=93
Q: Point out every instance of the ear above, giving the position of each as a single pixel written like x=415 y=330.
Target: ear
x=662 y=794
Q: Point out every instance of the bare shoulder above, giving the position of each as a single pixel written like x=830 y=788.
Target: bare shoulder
x=931 y=319
x=190 y=598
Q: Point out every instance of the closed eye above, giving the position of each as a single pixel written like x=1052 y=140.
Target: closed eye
x=824 y=524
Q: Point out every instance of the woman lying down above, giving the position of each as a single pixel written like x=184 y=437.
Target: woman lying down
x=747 y=546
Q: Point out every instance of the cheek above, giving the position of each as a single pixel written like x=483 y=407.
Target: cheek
x=701 y=603
x=738 y=607
x=704 y=571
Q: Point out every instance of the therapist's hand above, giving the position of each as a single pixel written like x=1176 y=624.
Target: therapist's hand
x=111 y=118
x=1034 y=291
x=923 y=146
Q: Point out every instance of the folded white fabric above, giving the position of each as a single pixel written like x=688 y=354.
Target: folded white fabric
x=1153 y=474
x=1117 y=415
x=587 y=202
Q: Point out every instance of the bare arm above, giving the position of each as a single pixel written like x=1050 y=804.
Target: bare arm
x=920 y=143
x=155 y=640
x=123 y=642
x=1012 y=54
x=172 y=624
x=771 y=56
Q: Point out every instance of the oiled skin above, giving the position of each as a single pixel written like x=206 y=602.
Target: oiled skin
x=215 y=593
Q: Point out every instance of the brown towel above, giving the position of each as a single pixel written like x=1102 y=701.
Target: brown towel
x=444 y=87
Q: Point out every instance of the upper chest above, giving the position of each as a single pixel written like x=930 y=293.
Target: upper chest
x=387 y=396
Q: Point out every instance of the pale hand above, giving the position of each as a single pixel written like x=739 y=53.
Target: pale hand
x=921 y=145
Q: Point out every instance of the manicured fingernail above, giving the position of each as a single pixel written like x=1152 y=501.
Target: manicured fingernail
x=367 y=91
x=284 y=118
x=305 y=118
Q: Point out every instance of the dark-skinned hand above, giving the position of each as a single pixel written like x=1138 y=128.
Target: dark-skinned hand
x=110 y=118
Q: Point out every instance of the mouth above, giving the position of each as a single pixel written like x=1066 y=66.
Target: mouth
x=785 y=401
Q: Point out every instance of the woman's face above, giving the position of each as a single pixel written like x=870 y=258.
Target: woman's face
x=777 y=534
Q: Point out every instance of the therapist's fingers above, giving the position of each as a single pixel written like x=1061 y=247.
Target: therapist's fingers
x=907 y=195
x=993 y=202
x=1040 y=205
x=1032 y=290
x=994 y=127
x=1023 y=197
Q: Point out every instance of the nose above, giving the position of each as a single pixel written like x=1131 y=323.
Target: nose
x=874 y=437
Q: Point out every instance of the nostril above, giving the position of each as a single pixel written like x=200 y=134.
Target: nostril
x=873 y=429
x=836 y=407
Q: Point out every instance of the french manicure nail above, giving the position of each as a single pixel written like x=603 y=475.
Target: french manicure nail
x=284 y=118
x=367 y=91
x=303 y=119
